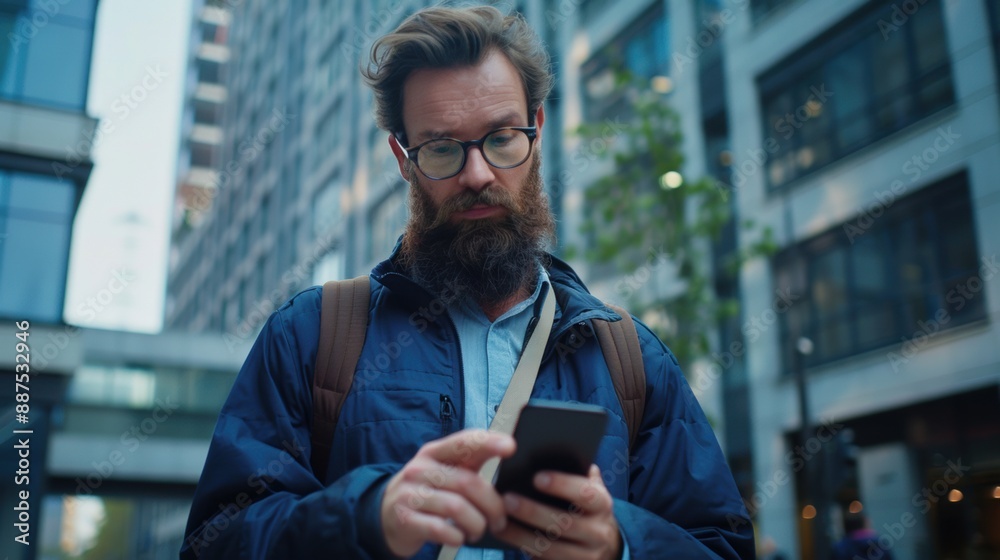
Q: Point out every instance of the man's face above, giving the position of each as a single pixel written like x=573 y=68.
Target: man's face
x=484 y=226
x=466 y=103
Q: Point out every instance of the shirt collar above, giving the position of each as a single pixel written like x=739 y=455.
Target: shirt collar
x=471 y=308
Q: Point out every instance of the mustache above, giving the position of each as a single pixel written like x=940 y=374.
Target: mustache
x=468 y=199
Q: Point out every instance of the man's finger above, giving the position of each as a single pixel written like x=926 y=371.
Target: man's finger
x=431 y=528
x=587 y=493
x=469 y=448
x=478 y=492
x=448 y=505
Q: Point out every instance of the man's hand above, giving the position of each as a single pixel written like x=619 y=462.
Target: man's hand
x=588 y=531
x=439 y=497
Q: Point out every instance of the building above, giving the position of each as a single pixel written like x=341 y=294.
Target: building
x=127 y=445
x=105 y=431
x=861 y=133
x=45 y=141
x=205 y=97
x=864 y=134
x=46 y=138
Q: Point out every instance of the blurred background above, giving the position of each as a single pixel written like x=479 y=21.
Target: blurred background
x=171 y=172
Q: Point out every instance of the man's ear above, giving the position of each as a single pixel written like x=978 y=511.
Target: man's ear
x=397 y=150
x=539 y=121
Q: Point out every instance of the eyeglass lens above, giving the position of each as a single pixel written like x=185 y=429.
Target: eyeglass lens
x=503 y=148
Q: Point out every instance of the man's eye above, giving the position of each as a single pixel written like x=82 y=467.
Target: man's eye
x=501 y=140
x=441 y=149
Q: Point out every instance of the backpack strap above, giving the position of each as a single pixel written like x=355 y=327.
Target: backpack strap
x=620 y=344
x=343 y=325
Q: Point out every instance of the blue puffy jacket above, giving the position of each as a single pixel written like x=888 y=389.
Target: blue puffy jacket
x=259 y=498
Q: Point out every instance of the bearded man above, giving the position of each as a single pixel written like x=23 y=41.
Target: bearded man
x=460 y=92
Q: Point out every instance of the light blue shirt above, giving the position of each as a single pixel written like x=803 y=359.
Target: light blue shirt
x=490 y=352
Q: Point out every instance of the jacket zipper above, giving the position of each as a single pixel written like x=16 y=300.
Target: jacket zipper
x=447 y=414
x=461 y=382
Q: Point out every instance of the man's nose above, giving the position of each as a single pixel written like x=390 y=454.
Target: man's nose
x=477 y=174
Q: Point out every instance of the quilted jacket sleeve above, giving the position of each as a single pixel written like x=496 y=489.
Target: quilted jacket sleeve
x=258 y=496
x=683 y=502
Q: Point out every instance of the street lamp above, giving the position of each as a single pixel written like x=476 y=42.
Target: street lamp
x=812 y=494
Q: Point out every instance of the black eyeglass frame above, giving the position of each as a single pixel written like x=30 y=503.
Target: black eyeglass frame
x=411 y=153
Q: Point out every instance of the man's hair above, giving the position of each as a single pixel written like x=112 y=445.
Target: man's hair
x=441 y=37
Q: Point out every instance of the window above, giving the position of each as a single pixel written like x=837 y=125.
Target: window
x=45 y=54
x=209 y=72
x=213 y=33
x=642 y=51
x=858 y=83
x=36 y=214
x=207 y=112
x=202 y=155
x=873 y=281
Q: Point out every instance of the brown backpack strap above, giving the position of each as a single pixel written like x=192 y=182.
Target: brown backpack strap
x=343 y=325
x=620 y=344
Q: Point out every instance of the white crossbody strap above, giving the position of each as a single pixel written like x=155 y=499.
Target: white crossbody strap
x=517 y=393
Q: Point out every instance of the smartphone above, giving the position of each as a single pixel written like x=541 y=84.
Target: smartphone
x=550 y=436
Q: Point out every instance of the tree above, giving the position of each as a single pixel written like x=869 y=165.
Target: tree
x=644 y=210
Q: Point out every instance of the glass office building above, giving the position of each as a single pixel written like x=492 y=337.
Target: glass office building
x=45 y=143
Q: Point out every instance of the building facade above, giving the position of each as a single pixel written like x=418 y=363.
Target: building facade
x=128 y=443
x=46 y=138
x=864 y=134
x=201 y=131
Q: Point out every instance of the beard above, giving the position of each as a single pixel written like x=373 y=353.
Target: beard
x=490 y=259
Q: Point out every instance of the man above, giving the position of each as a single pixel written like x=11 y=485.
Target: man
x=860 y=540
x=460 y=92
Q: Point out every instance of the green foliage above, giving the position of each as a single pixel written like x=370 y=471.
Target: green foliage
x=634 y=214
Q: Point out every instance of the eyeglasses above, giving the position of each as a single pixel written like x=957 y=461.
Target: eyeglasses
x=443 y=158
